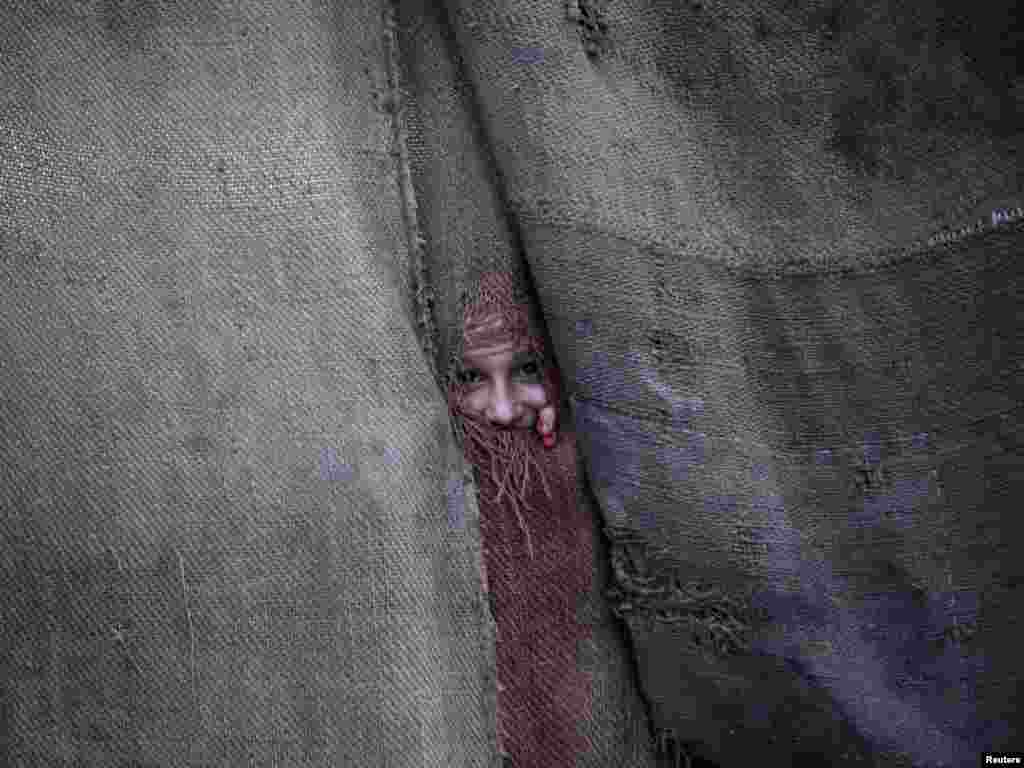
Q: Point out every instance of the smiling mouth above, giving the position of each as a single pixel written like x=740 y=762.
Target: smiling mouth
x=524 y=422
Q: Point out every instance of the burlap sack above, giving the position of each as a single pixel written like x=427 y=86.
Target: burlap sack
x=233 y=526
x=777 y=249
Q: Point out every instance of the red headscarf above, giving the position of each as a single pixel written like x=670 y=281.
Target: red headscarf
x=538 y=551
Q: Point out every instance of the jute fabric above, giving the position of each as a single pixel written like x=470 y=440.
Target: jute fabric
x=234 y=524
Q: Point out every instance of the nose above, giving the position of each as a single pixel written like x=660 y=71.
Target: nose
x=502 y=409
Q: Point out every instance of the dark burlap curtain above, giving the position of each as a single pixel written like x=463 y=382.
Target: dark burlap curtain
x=777 y=247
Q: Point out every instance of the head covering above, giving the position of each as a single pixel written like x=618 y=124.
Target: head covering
x=544 y=695
x=497 y=315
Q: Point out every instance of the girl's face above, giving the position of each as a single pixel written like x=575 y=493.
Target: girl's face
x=504 y=385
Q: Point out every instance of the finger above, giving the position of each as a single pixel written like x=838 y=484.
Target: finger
x=553 y=419
x=546 y=422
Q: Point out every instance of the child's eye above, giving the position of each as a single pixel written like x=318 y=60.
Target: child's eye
x=469 y=376
x=531 y=368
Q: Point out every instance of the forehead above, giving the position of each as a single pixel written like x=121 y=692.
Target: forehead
x=499 y=355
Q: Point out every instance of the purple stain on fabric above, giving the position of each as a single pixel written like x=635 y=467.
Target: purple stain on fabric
x=906 y=495
x=718 y=504
x=680 y=420
x=634 y=361
x=823 y=457
x=648 y=521
x=695 y=448
x=994 y=732
x=331 y=469
x=921 y=662
x=821 y=586
x=584 y=328
x=759 y=472
x=685 y=411
x=527 y=55
x=783 y=540
x=773 y=508
x=888 y=652
x=680 y=459
x=622 y=380
x=793 y=613
x=951 y=668
x=786 y=558
x=872 y=448
x=456 y=505
x=694 y=405
x=612 y=445
x=892 y=619
x=759 y=712
x=392 y=456
x=950 y=607
x=613 y=504
x=896 y=509
x=597 y=368
x=870 y=513
x=920 y=440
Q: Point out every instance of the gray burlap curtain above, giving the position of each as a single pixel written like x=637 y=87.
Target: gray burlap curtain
x=776 y=246
x=234 y=531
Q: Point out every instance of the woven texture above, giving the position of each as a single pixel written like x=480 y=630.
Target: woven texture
x=234 y=528
x=774 y=249
x=777 y=250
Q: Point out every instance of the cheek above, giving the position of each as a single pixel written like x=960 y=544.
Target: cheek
x=534 y=396
x=476 y=401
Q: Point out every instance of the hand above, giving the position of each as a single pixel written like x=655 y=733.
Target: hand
x=547 y=425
